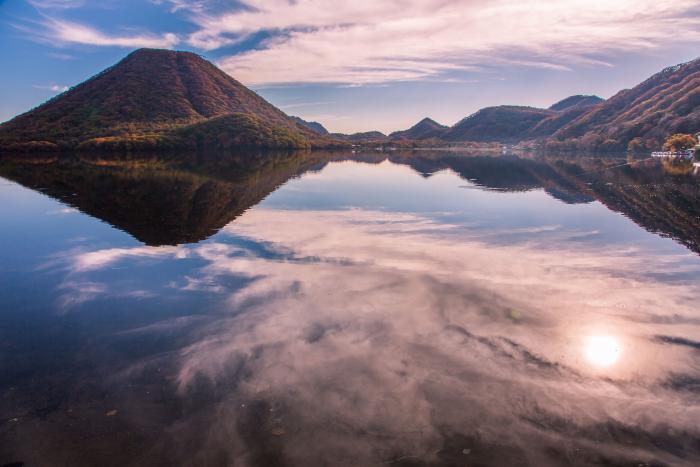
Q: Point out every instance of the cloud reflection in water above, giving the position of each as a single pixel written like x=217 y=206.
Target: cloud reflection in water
x=372 y=336
x=602 y=350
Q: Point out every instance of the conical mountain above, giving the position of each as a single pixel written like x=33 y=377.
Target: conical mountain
x=145 y=98
x=425 y=129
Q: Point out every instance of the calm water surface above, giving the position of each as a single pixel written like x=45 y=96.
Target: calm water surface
x=424 y=309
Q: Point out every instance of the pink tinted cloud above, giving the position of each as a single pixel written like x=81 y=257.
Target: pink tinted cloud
x=391 y=40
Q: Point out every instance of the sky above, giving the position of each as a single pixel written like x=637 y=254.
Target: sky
x=359 y=65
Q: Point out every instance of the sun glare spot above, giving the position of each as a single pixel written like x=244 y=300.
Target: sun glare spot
x=602 y=351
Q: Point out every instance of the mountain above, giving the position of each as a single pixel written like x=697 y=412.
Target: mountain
x=567 y=110
x=573 y=102
x=506 y=124
x=641 y=117
x=160 y=99
x=144 y=100
x=548 y=126
x=314 y=126
x=363 y=137
x=511 y=124
x=666 y=103
x=425 y=129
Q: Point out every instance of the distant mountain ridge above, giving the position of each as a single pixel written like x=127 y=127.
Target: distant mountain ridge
x=142 y=102
x=506 y=123
x=362 y=137
x=425 y=129
x=574 y=102
x=314 y=126
x=637 y=118
x=160 y=99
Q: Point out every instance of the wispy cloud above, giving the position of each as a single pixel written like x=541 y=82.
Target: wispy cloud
x=63 y=211
x=56 y=4
x=380 y=41
x=395 y=40
x=373 y=309
x=186 y=5
x=431 y=320
x=78 y=292
x=52 y=87
x=62 y=32
x=101 y=258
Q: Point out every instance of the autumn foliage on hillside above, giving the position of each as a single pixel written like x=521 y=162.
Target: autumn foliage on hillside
x=680 y=142
x=666 y=103
x=506 y=123
x=425 y=129
x=144 y=100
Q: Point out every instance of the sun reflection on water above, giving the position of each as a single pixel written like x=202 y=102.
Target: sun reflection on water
x=602 y=350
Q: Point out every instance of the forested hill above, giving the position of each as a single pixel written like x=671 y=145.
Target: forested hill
x=144 y=100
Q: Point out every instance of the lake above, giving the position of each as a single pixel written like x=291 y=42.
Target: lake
x=408 y=309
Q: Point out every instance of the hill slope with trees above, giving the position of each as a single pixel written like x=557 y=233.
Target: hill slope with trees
x=146 y=97
x=425 y=129
x=506 y=124
x=666 y=103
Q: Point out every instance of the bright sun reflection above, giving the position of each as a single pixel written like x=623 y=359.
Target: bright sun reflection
x=602 y=351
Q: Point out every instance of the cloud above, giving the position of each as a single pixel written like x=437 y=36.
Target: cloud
x=78 y=292
x=56 y=4
x=64 y=211
x=61 y=32
x=52 y=87
x=375 y=335
x=369 y=42
x=396 y=40
x=185 y=5
x=82 y=262
x=389 y=334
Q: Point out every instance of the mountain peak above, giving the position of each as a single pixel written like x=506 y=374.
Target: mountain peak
x=314 y=126
x=149 y=92
x=503 y=123
x=424 y=129
x=576 y=102
x=152 y=56
x=427 y=121
x=147 y=51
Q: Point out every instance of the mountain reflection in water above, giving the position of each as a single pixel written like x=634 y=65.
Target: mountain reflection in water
x=369 y=311
x=169 y=204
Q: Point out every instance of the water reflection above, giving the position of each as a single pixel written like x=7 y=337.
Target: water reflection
x=332 y=325
x=189 y=200
x=162 y=203
x=602 y=350
x=373 y=336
